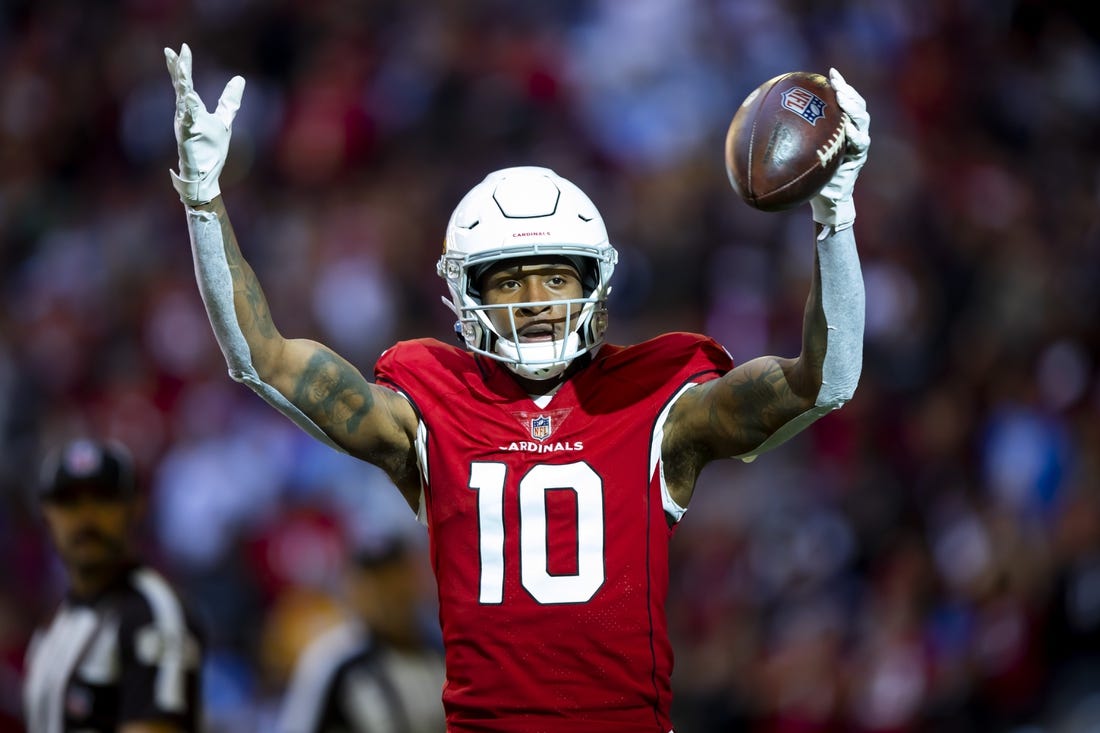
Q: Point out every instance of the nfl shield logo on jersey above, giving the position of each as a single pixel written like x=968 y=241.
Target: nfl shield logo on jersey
x=540 y=427
x=805 y=104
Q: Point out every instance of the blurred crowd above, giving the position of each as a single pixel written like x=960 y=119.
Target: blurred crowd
x=926 y=559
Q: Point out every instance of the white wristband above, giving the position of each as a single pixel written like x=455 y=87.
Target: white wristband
x=196 y=193
x=834 y=216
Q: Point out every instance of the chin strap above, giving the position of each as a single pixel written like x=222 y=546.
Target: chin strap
x=842 y=299
x=216 y=287
x=535 y=361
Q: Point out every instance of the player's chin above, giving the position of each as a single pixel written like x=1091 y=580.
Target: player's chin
x=91 y=554
x=89 y=561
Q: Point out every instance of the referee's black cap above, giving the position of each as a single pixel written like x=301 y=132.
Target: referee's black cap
x=381 y=552
x=87 y=467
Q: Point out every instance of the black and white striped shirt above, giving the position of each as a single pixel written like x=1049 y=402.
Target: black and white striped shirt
x=131 y=654
x=348 y=681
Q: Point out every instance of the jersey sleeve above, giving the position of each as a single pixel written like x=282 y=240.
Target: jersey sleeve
x=668 y=361
x=160 y=655
x=711 y=357
x=420 y=367
x=388 y=366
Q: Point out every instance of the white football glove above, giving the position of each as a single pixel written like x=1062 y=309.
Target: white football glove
x=833 y=205
x=203 y=138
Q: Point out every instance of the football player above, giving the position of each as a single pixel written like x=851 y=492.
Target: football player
x=550 y=468
x=122 y=652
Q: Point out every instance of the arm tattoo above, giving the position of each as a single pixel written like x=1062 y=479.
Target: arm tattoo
x=245 y=282
x=749 y=408
x=261 y=314
x=329 y=391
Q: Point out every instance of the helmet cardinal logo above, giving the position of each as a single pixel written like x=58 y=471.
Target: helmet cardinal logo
x=805 y=104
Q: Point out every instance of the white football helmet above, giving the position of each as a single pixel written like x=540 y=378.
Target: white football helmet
x=527 y=212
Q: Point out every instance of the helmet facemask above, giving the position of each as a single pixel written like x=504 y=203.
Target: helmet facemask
x=527 y=213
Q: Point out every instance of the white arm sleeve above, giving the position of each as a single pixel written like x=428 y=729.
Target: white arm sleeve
x=216 y=286
x=843 y=300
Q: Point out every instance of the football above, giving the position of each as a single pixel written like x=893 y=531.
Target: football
x=785 y=141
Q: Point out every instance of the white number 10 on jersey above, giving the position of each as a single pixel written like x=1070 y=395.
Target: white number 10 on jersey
x=487 y=479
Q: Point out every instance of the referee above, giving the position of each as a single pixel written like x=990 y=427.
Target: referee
x=382 y=670
x=121 y=653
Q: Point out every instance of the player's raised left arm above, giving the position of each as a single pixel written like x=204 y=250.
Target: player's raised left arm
x=766 y=401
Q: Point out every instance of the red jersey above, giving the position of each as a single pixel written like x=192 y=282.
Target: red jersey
x=549 y=535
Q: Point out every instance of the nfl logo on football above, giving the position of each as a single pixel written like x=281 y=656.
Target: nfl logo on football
x=540 y=427
x=805 y=104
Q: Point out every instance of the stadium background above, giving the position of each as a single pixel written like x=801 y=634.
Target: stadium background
x=927 y=559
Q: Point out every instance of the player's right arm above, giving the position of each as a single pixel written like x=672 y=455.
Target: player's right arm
x=364 y=419
x=305 y=380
